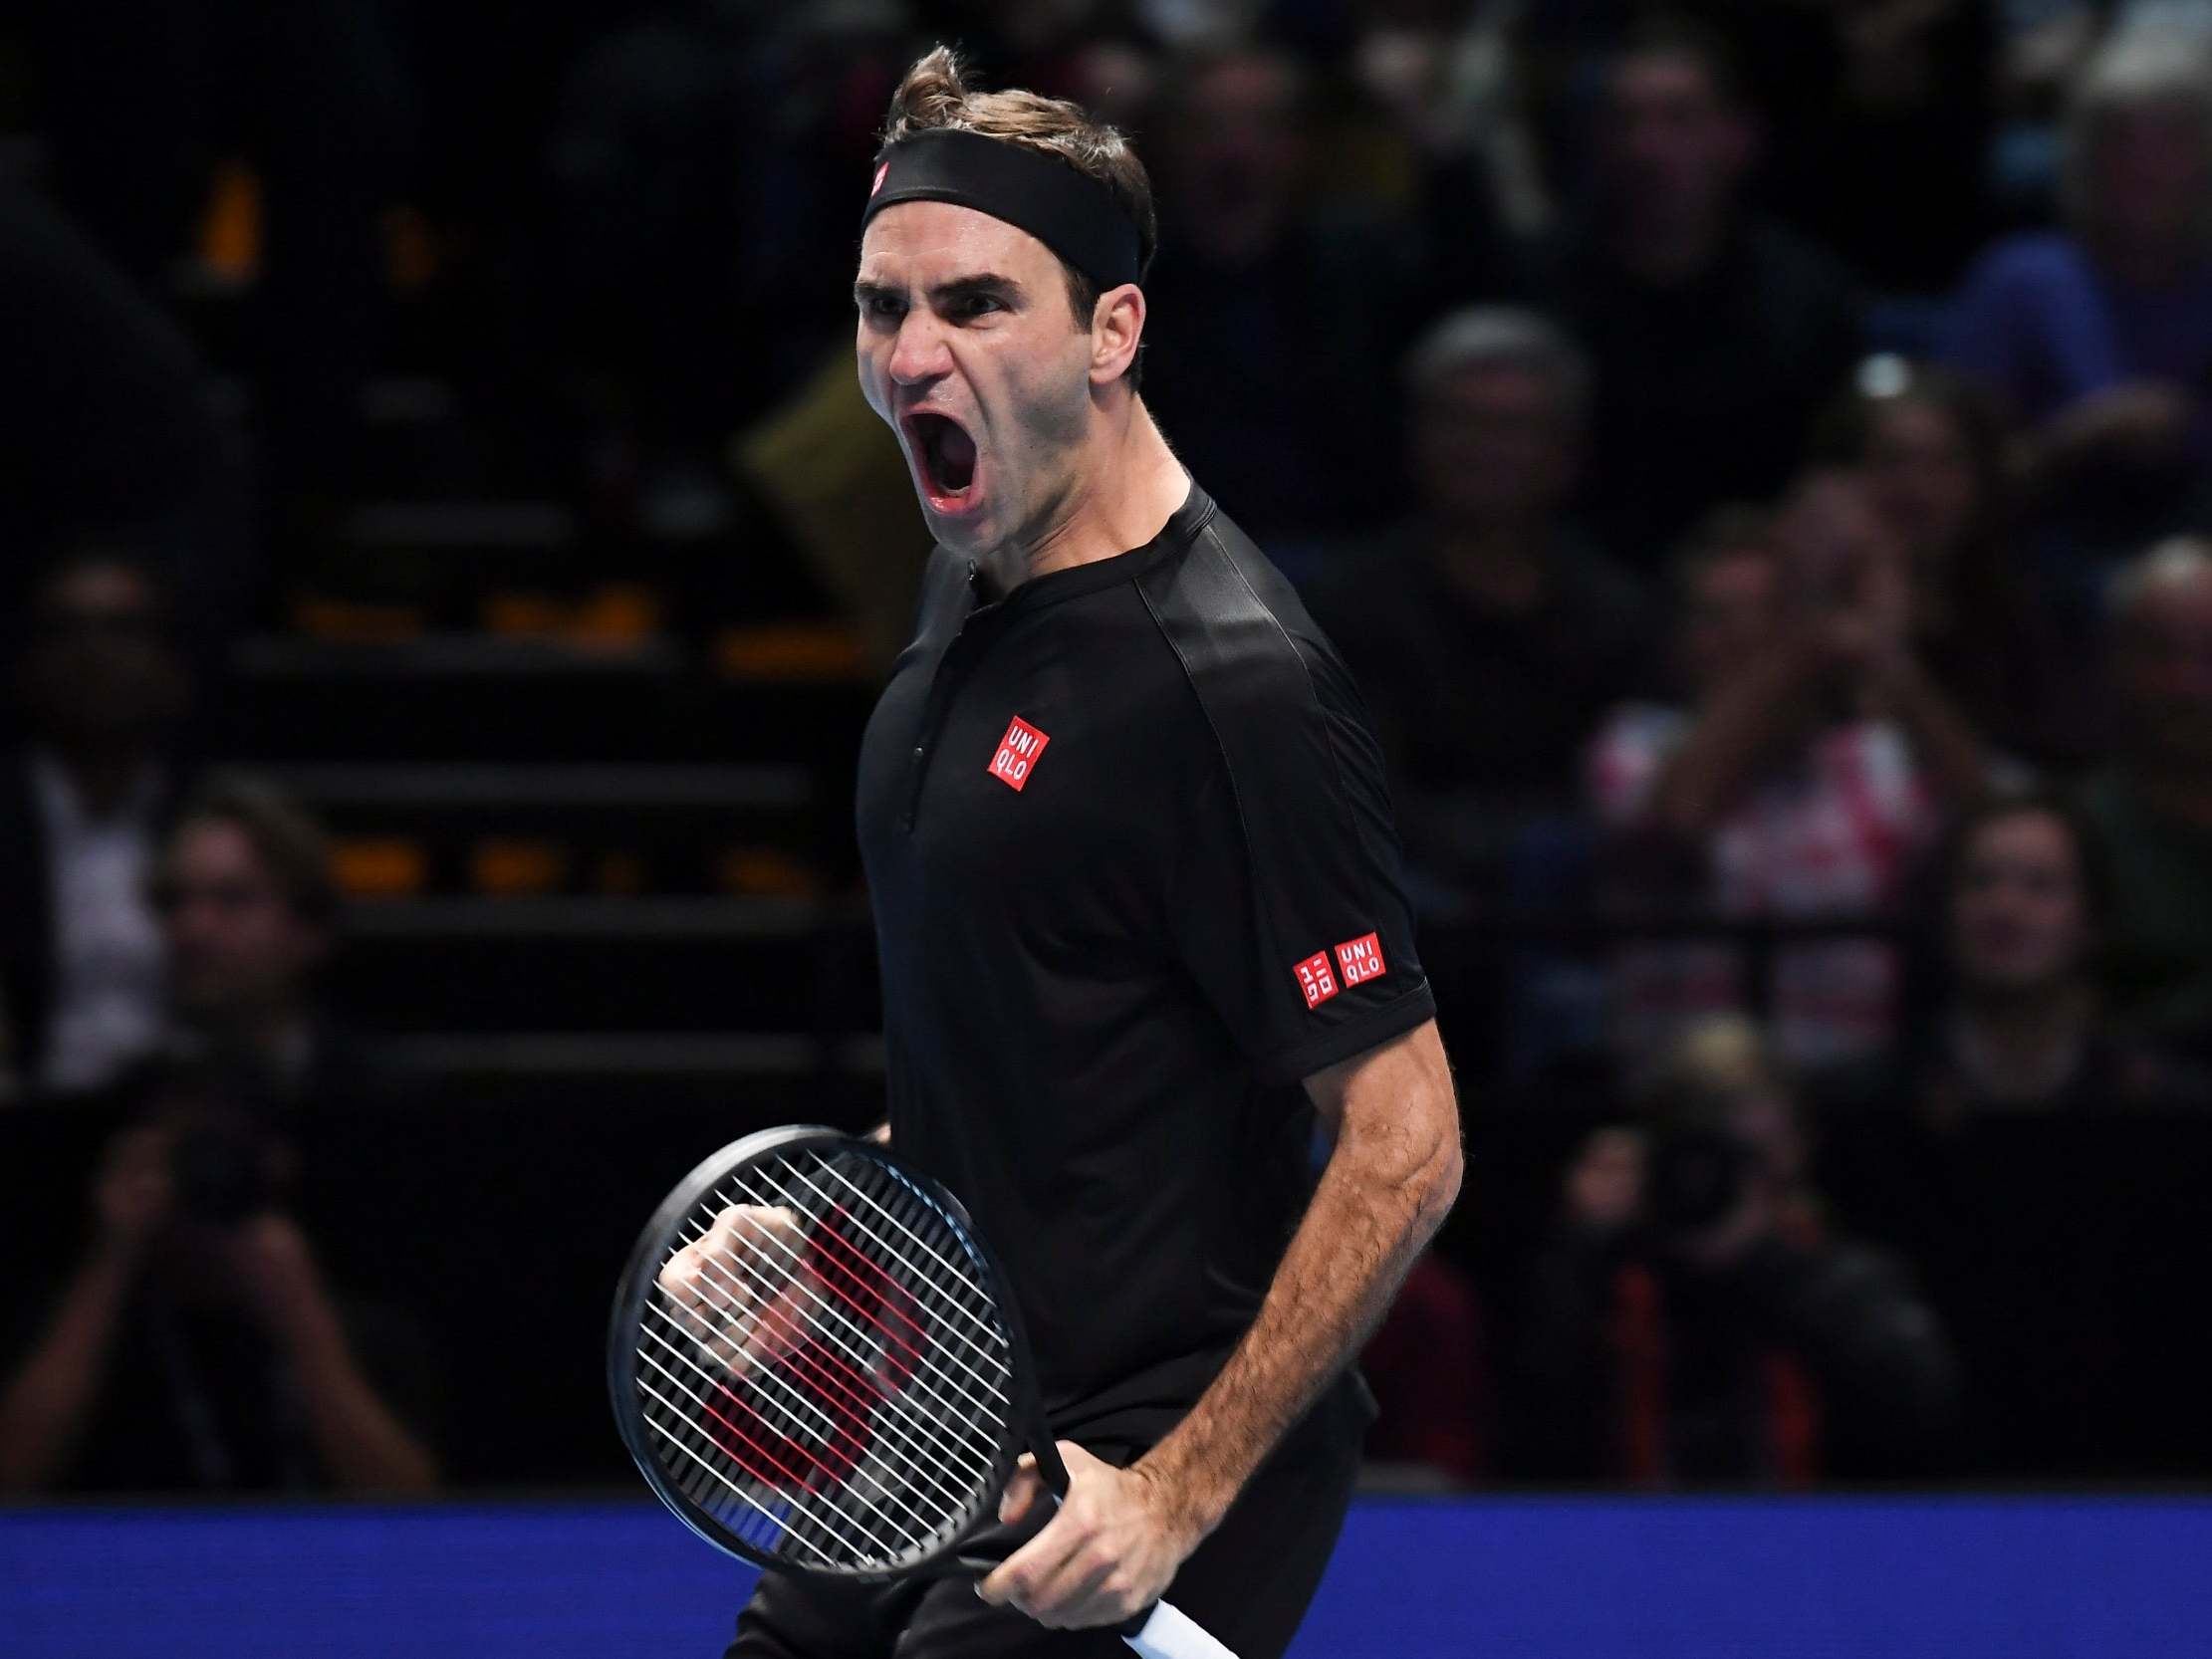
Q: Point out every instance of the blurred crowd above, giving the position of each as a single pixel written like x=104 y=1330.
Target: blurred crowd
x=1753 y=453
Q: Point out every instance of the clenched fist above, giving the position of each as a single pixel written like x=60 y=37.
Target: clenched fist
x=744 y=1293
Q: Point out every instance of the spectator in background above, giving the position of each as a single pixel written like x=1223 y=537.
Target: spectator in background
x=2042 y=1168
x=2100 y=335
x=1695 y=1319
x=2013 y=1020
x=1814 y=762
x=1715 y=335
x=1932 y=449
x=200 y=1342
x=2152 y=805
x=1275 y=331
x=197 y=1345
x=247 y=906
x=80 y=813
x=1487 y=634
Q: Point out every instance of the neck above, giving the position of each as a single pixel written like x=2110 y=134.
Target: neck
x=1499 y=565
x=2023 y=1043
x=1669 y=253
x=270 y=1035
x=1124 y=487
x=103 y=779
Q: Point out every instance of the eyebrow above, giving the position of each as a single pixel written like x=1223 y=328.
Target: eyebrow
x=988 y=283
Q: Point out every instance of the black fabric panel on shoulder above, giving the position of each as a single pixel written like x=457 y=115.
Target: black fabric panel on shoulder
x=1259 y=701
x=1322 y=965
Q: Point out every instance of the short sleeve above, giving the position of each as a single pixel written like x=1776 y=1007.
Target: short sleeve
x=1287 y=903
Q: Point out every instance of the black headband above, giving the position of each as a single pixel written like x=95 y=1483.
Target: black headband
x=1071 y=213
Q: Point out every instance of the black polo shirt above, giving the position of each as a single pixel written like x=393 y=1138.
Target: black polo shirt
x=1134 y=877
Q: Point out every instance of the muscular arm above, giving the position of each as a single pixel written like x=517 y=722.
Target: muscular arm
x=1387 y=1186
x=1121 y=1535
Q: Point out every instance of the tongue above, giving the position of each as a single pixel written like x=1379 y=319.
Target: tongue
x=956 y=451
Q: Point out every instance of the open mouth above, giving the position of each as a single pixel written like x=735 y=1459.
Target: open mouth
x=944 y=454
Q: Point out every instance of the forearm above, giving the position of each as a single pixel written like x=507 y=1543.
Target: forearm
x=1743 y=723
x=360 y=1443
x=42 y=1414
x=1947 y=746
x=1379 y=1199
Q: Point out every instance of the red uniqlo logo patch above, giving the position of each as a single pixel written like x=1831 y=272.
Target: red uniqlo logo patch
x=1315 y=979
x=1360 y=960
x=1017 y=752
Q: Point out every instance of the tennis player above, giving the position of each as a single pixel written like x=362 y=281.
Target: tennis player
x=1136 y=896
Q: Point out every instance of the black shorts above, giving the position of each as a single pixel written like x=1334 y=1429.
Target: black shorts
x=1247 y=1583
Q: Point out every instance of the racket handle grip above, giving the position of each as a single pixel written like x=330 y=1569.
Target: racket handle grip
x=1167 y=1634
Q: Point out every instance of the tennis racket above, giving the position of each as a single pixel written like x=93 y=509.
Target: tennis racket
x=819 y=1369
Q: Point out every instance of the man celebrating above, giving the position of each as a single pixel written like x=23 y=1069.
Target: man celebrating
x=1136 y=899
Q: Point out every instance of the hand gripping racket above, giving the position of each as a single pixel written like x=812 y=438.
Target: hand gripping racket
x=819 y=1368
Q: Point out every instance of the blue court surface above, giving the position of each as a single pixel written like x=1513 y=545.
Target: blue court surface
x=1532 y=1578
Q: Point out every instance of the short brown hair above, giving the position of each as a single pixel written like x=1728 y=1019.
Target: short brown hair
x=935 y=95
x=289 y=845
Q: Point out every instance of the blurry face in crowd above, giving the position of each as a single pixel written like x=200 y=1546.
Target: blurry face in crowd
x=1728 y=609
x=2163 y=670
x=1493 y=443
x=99 y=670
x=2151 y=176
x=236 y=949
x=969 y=352
x=1675 y=151
x=2020 y=918
x=1837 y=550
x=1920 y=473
x=1236 y=149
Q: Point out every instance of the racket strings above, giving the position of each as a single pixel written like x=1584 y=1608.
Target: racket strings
x=779 y=1464
x=858 y=1530
x=963 y=1403
x=841 y=1441
x=914 y=1270
x=872 y=1430
x=919 y=1240
x=841 y=1408
x=835 y=1369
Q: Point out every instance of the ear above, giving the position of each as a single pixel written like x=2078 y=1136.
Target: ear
x=1117 y=329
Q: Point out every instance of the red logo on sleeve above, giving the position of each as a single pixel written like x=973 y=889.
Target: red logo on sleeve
x=1360 y=960
x=1315 y=979
x=1017 y=754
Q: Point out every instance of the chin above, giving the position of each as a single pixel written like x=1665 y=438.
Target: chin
x=968 y=531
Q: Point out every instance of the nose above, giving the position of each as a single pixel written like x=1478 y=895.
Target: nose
x=921 y=353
